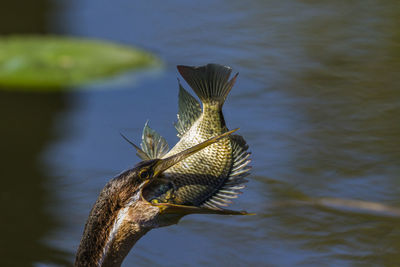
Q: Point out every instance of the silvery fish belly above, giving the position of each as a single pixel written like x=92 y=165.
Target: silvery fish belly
x=213 y=176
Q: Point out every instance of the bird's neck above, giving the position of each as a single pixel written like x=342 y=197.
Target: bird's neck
x=111 y=231
x=119 y=245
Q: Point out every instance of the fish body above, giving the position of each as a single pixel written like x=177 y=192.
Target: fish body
x=213 y=176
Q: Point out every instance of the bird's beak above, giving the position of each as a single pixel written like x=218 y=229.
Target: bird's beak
x=164 y=164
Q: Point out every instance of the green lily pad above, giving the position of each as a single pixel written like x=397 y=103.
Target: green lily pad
x=51 y=62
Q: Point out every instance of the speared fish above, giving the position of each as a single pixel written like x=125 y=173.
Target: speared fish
x=212 y=177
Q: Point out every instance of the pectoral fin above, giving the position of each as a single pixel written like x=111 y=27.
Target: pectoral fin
x=153 y=144
x=168 y=208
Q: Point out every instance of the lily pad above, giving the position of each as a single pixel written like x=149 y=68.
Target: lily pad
x=59 y=62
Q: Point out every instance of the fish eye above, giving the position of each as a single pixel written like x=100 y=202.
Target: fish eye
x=144 y=174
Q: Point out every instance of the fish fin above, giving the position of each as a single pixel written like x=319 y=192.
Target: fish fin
x=235 y=181
x=168 y=208
x=153 y=144
x=189 y=111
x=209 y=82
x=139 y=152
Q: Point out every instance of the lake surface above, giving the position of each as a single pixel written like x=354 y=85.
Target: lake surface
x=317 y=99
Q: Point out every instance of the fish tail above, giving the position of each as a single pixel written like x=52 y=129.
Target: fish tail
x=210 y=82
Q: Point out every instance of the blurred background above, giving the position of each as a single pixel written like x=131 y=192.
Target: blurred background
x=317 y=99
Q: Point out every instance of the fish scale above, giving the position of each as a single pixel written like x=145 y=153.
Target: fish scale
x=197 y=177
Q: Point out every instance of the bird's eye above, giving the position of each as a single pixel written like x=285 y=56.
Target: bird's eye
x=144 y=174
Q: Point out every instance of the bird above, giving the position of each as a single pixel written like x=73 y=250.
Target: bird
x=200 y=174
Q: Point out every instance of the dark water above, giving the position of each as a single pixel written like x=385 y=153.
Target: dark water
x=317 y=99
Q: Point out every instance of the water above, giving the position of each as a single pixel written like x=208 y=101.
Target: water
x=317 y=100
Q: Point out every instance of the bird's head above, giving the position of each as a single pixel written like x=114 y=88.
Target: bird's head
x=149 y=173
